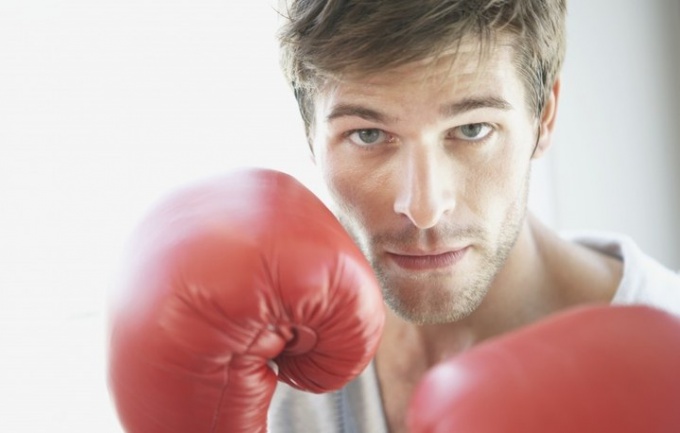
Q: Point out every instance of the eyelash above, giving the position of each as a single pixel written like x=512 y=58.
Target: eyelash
x=348 y=135
x=489 y=127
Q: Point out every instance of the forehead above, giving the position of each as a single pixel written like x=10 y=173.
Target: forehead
x=465 y=72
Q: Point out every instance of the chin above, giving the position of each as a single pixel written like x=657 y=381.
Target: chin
x=427 y=303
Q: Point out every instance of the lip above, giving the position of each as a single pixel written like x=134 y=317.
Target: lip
x=428 y=261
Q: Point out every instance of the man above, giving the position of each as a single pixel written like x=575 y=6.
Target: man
x=424 y=118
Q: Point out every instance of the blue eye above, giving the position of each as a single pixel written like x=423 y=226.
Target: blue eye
x=473 y=131
x=367 y=137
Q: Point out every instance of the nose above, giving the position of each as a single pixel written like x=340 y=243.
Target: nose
x=426 y=187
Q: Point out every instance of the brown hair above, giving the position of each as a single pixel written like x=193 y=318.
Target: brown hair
x=325 y=38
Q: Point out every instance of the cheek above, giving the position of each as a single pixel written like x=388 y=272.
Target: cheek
x=338 y=179
x=359 y=192
x=499 y=183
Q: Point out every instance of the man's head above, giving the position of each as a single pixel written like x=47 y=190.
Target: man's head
x=423 y=118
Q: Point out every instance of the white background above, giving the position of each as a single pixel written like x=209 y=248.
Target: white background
x=107 y=105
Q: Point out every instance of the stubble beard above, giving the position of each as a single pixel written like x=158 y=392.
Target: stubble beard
x=424 y=302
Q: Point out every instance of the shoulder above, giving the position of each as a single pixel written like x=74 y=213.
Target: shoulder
x=644 y=281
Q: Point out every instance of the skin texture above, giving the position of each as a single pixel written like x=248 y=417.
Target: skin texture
x=428 y=166
x=432 y=182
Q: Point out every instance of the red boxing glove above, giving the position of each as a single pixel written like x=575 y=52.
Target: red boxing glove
x=224 y=278
x=589 y=370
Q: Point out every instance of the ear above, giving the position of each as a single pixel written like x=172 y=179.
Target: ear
x=547 y=121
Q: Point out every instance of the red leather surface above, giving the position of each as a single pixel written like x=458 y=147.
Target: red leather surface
x=590 y=370
x=223 y=277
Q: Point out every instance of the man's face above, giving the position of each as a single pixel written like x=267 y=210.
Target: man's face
x=428 y=165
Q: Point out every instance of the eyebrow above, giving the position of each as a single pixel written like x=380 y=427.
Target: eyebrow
x=469 y=104
x=342 y=110
x=448 y=110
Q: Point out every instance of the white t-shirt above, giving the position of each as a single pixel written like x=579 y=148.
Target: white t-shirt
x=357 y=408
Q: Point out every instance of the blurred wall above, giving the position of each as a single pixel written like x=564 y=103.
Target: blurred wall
x=616 y=157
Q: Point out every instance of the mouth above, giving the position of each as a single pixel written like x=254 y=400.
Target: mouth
x=426 y=261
